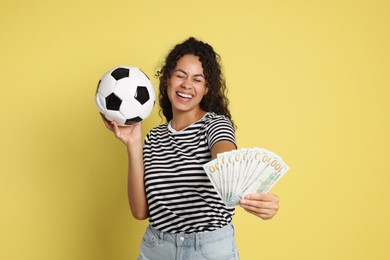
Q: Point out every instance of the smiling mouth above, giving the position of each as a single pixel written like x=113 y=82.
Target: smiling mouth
x=184 y=95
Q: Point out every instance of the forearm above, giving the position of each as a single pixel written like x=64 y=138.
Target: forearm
x=136 y=186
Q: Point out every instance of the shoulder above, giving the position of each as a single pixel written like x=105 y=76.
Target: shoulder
x=159 y=128
x=219 y=128
x=157 y=131
x=213 y=120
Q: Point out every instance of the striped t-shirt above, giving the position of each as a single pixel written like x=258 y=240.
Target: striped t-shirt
x=180 y=196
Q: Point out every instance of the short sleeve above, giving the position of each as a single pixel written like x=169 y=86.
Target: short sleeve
x=219 y=129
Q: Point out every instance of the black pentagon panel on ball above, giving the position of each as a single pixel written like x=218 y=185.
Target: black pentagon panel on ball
x=120 y=73
x=113 y=102
x=142 y=95
x=133 y=120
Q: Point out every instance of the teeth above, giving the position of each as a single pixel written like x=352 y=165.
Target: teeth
x=184 y=95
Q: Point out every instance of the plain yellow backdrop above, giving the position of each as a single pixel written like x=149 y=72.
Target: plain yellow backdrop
x=307 y=79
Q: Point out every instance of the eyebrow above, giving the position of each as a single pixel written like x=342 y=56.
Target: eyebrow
x=195 y=75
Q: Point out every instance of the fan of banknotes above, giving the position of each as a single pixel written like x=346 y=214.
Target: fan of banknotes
x=247 y=170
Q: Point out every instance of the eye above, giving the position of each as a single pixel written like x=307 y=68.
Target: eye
x=198 y=79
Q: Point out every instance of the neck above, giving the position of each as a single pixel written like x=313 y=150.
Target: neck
x=182 y=120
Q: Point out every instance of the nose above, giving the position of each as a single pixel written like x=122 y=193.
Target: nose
x=186 y=83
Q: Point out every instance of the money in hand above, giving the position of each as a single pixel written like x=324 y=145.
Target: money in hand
x=239 y=172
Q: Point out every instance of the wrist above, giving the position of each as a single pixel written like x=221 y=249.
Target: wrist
x=134 y=147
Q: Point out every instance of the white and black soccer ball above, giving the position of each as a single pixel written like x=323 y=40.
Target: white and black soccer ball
x=125 y=95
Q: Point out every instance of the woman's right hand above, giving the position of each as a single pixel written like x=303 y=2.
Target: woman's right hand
x=127 y=134
x=131 y=136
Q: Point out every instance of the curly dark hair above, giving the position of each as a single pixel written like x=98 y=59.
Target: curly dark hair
x=216 y=99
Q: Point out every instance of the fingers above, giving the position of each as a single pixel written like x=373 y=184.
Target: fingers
x=255 y=205
x=265 y=215
x=262 y=197
x=121 y=132
x=116 y=129
x=111 y=125
x=264 y=206
x=107 y=123
x=128 y=134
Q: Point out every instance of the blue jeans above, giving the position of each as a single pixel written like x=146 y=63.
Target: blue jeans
x=217 y=245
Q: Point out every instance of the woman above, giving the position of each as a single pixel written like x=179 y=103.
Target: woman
x=166 y=181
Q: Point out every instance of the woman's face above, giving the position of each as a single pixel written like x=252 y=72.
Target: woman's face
x=187 y=84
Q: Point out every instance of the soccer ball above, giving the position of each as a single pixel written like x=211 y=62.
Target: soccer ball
x=125 y=95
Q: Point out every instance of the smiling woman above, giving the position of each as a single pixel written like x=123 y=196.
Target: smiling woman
x=166 y=179
x=186 y=88
x=210 y=69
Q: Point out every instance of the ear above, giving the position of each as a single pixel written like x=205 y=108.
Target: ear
x=206 y=91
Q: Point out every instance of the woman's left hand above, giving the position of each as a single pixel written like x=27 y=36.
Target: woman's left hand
x=263 y=205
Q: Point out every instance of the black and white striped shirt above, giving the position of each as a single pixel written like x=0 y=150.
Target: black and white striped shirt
x=180 y=196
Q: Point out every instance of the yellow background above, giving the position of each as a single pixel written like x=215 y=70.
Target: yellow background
x=307 y=79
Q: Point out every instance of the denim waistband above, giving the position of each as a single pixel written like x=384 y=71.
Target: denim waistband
x=194 y=239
